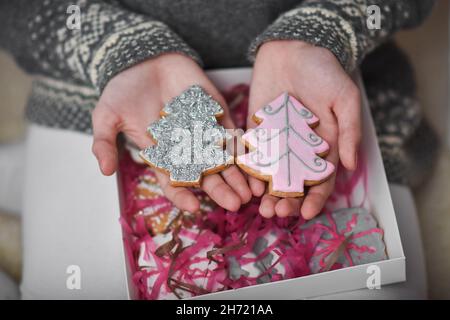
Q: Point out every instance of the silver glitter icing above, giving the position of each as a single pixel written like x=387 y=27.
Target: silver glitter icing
x=188 y=137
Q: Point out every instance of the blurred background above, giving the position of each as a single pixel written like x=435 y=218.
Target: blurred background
x=427 y=47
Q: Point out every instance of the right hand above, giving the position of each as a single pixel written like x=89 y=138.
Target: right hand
x=133 y=99
x=315 y=76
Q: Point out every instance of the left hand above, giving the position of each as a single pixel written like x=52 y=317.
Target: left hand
x=315 y=77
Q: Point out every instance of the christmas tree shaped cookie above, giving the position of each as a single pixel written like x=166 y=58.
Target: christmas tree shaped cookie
x=284 y=149
x=189 y=140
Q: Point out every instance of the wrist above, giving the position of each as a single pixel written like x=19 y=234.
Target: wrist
x=288 y=49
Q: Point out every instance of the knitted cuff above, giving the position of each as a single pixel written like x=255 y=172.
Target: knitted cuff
x=315 y=25
x=343 y=26
x=131 y=45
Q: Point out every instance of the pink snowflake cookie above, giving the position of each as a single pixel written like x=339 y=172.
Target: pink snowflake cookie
x=284 y=149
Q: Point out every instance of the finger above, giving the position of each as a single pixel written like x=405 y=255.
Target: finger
x=105 y=129
x=257 y=186
x=317 y=195
x=348 y=114
x=238 y=183
x=232 y=175
x=181 y=197
x=221 y=192
x=287 y=206
x=316 y=198
x=257 y=98
x=267 y=206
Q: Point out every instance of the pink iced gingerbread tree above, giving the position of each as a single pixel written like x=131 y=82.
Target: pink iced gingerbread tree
x=284 y=149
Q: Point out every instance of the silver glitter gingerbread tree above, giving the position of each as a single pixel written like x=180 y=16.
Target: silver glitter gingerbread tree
x=189 y=138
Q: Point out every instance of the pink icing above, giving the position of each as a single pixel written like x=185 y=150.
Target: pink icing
x=287 y=149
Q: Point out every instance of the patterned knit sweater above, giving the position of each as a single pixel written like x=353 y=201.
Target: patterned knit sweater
x=72 y=65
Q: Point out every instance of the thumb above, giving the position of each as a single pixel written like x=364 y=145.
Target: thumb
x=136 y=126
x=225 y=119
x=256 y=100
x=261 y=93
x=141 y=138
x=105 y=129
x=348 y=114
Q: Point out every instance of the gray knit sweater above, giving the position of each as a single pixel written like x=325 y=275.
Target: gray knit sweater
x=72 y=66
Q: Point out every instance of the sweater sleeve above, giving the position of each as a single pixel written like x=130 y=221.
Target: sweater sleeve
x=342 y=25
x=41 y=37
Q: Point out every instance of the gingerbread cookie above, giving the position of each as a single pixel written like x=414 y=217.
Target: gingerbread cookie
x=189 y=139
x=284 y=149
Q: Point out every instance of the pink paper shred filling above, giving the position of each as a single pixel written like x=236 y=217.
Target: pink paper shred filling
x=234 y=232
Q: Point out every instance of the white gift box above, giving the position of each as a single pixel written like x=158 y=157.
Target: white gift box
x=85 y=207
x=379 y=199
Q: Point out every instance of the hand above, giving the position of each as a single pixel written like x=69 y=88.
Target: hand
x=315 y=77
x=133 y=99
